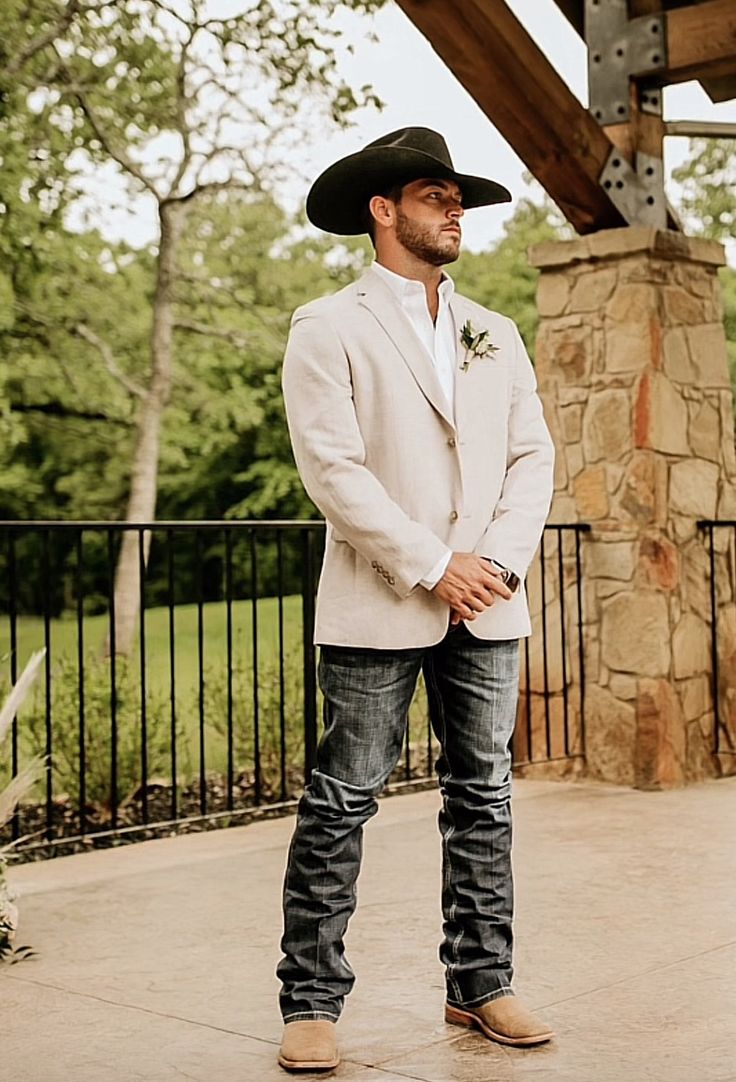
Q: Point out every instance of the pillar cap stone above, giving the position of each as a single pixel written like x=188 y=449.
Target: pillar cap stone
x=633 y=240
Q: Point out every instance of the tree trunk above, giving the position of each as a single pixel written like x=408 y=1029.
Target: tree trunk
x=144 y=472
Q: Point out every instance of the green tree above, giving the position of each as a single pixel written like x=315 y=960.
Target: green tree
x=501 y=278
x=708 y=203
x=186 y=106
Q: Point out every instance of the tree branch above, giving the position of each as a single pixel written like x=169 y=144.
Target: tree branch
x=235 y=338
x=39 y=43
x=56 y=409
x=116 y=153
x=109 y=361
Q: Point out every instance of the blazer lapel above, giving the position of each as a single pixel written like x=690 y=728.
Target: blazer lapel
x=483 y=382
x=376 y=296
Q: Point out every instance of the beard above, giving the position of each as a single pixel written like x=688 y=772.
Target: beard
x=426 y=242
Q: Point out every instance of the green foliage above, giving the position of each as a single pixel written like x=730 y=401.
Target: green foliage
x=708 y=203
x=708 y=188
x=98 y=742
x=502 y=279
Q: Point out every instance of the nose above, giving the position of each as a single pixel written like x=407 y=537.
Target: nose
x=456 y=212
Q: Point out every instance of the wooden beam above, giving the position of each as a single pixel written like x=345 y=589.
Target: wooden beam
x=701 y=41
x=491 y=54
x=574 y=12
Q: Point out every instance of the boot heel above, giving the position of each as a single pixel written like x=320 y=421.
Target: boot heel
x=456 y=1017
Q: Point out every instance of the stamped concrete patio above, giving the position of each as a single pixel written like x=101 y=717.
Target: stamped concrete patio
x=156 y=961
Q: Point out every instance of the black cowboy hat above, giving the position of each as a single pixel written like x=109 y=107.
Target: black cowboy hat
x=338 y=198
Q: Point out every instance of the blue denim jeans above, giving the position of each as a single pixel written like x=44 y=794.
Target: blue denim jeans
x=472 y=688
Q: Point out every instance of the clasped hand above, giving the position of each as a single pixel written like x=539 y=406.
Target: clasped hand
x=469 y=586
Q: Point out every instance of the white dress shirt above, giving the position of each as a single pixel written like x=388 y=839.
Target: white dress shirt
x=439 y=340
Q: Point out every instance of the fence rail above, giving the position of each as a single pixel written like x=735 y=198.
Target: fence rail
x=214 y=711
x=721 y=544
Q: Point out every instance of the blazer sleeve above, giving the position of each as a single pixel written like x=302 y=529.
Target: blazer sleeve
x=330 y=456
x=518 y=520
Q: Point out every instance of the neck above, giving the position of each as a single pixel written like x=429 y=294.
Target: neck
x=405 y=263
x=410 y=266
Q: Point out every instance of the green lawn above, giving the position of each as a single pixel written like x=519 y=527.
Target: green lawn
x=196 y=721
x=95 y=629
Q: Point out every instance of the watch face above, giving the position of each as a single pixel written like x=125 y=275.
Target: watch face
x=511 y=580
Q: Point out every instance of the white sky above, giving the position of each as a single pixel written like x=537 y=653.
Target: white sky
x=419 y=90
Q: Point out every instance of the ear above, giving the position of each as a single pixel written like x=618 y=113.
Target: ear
x=383 y=210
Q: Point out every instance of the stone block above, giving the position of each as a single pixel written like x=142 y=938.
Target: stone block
x=660 y=416
x=635 y=634
x=610 y=559
x=605 y=588
x=633 y=302
x=698 y=762
x=644 y=493
x=681 y=308
x=690 y=647
x=607 y=426
x=566 y=396
x=705 y=431
x=572 y=423
x=622 y=242
x=553 y=294
x=558 y=253
x=591 y=493
x=695 y=697
x=567 y=353
x=728 y=435
x=575 y=461
x=676 y=362
x=592 y=289
x=726 y=501
x=628 y=348
x=707 y=345
x=659 y=755
x=623 y=687
x=659 y=562
x=610 y=729
x=694 y=488
x=695 y=589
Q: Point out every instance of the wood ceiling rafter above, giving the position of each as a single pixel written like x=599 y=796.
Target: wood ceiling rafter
x=491 y=54
x=701 y=36
x=574 y=158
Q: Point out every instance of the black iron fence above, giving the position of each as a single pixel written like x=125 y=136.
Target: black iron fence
x=720 y=536
x=210 y=712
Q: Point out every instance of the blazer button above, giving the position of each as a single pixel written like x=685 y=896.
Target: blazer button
x=454 y=516
x=452 y=442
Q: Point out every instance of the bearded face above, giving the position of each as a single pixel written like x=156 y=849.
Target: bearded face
x=434 y=242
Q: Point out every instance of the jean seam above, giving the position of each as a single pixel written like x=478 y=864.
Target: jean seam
x=309 y=1016
x=454 y=945
x=487 y=997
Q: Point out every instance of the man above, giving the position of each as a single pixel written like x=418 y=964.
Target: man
x=418 y=433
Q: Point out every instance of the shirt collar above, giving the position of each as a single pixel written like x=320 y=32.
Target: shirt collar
x=406 y=287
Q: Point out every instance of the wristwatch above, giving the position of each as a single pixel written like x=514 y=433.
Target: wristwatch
x=506 y=575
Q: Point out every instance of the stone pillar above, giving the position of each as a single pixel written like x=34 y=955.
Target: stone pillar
x=632 y=367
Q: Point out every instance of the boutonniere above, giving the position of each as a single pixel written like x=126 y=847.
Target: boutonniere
x=477 y=344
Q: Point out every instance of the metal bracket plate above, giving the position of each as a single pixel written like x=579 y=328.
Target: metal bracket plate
x=638 y=196
x=619 y=48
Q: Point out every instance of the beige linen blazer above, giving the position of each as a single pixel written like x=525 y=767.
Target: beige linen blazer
x=398 y=478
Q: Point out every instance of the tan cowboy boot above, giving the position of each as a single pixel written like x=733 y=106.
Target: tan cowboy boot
x=309 y=1045
x=503 y=1019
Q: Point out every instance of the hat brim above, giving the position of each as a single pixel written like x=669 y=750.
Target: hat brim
x=338 y=197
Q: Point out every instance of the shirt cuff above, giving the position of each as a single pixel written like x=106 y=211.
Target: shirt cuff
x=430 y=581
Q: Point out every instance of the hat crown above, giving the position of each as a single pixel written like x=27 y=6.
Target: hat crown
x=423 y=140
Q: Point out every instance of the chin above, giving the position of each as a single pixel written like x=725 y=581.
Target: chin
x=448 y=255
